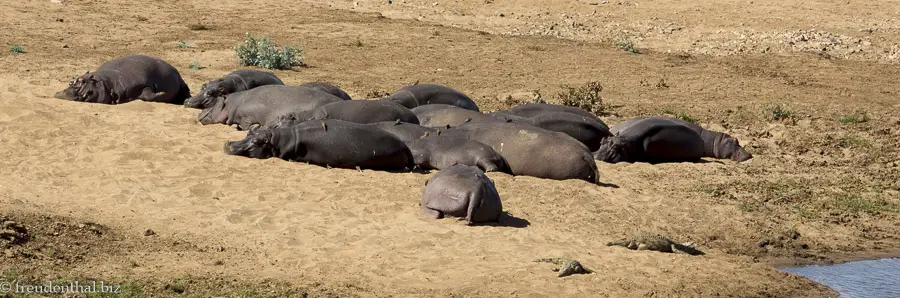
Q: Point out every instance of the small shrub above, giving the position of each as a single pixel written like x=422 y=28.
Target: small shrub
x=377 y=94
x=680 y=115
x=198 y=27
x=778 y=112
x=627 y=45
x=196 y=65
x=262 y=52
x=849 y=141
x=586 y=97
x=856 y=204
x=16 y=49
x=859 y=116
x=183 y=44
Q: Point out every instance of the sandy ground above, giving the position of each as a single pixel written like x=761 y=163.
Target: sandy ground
x=818 y=190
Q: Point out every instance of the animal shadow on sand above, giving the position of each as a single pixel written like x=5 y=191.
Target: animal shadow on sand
x=507 y=220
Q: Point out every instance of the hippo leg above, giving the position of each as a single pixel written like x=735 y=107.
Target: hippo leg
x=148 y=95
x=431 y=213
x=487 y=166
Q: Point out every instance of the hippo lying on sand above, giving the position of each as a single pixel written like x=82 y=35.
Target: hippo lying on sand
x=263 y=104
x=328 y=88
x=356 y=111
x=652 y=140
x=406 y=132
x=443 y=151
x=236 y=81
x=581 y=128
x=715 y=144
x=128 y=78
x=462 y=192
x=531 y=110
x=333 y=143
x=532 y=151
x=422 y=94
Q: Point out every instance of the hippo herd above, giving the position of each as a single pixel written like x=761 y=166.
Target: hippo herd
x=420 y=126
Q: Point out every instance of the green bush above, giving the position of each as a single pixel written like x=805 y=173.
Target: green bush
x=262 y=52
x=586 y=97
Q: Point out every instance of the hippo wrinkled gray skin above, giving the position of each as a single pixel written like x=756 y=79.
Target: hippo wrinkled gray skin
x=581 y=128
x=128 y=78
x=356 y=111
x=440 y=152
x=328 y=88
x=423 y=94
x=462 y=192
x=263 y=104
x=531 y=110
x=406 y=132
x=653 y=140
x=454 y=116
x=333 y=143
x=430 y=107
x=235 y=81
x=715 y=144
x=532 y=151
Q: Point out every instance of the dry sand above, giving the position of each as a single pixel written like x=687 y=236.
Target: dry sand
x=817 y=190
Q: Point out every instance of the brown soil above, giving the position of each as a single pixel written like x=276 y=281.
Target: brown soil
x=818 y=190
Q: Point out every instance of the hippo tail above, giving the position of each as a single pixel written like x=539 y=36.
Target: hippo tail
x=184 y=92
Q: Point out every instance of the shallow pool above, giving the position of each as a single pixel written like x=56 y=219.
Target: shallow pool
x=873 y=278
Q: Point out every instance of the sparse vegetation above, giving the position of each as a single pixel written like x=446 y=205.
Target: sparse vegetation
x=859 y=116
x=857 y=204
x=850 y=141
x=778 y=112
x=198 y=27
x=16 y=49
x=196 y=65
x=680 y=115
x=183 y=44
x=377 y=94
x=262 y=52
x=627 y=45
x=586 y=97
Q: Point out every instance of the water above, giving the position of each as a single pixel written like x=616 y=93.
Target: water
x=874 y=278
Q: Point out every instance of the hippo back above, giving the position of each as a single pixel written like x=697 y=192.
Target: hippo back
x=531 y=110
x=365 y=111
x=534 y=151
x=423 y=94
x=328 y=88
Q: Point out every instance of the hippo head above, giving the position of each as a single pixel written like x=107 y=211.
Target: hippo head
x=208 y=95
x=213 y=114
x=257 y=144
x=731 y=149
x=291 y=119
x=613 y=149
x=87 y=88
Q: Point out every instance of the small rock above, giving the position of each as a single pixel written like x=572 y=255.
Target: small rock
x=149 y=232
x=764 y=243
x=9 y=253
x=65 y=46
x=795 y=235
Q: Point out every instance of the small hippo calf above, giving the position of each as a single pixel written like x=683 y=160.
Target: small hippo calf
x=462 y=192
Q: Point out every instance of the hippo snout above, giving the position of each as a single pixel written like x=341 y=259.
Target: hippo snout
x=743 y=155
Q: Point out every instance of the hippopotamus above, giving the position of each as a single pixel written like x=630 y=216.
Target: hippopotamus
x=330 y=143
x=430 y=107
x=328 y=88
x=235 y=81
x=443 y=151
x=462 y=192
x=715 y=144
x=356 y=111
x=263 y=104
x=406 y=132
x=532 y=151
x=128 y=78
x=653 y=140
x=423 y=94
x=531 y=110
x=582 y=128
x=451 y=116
